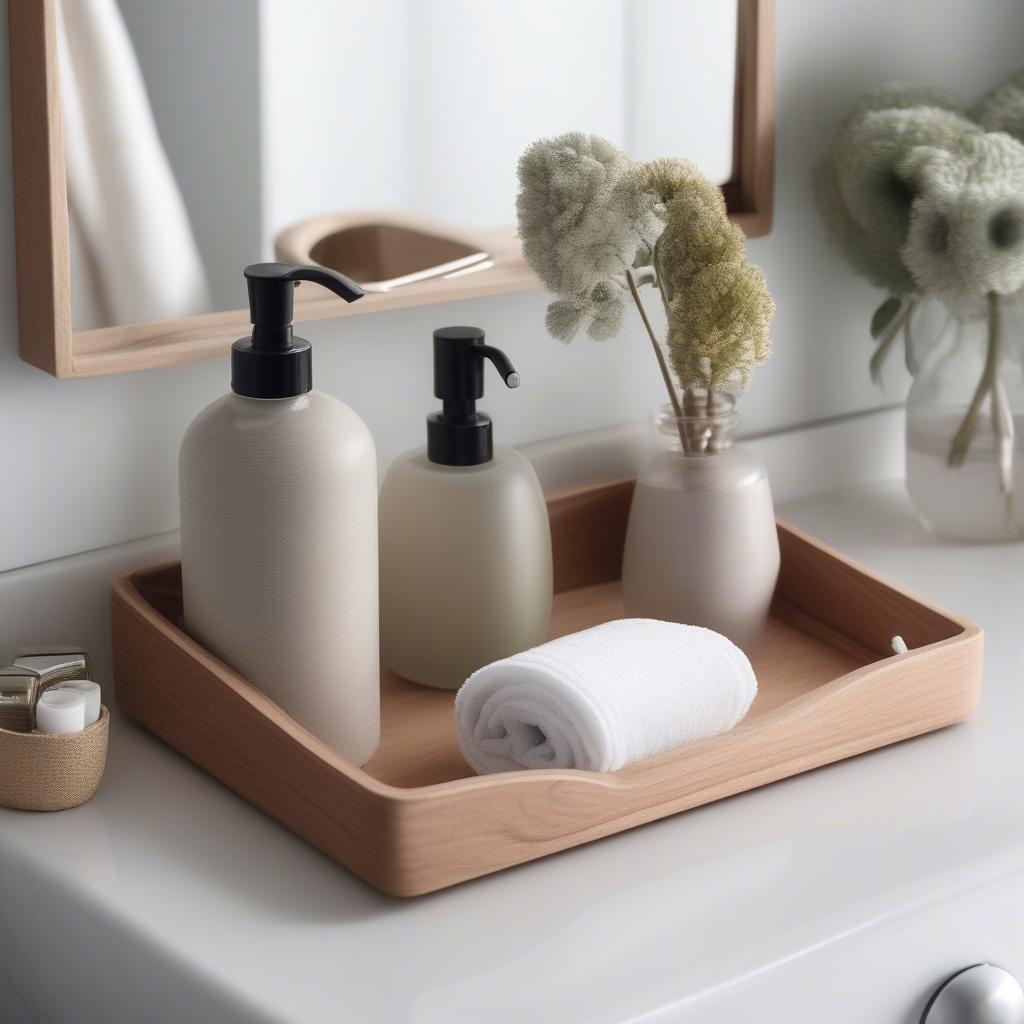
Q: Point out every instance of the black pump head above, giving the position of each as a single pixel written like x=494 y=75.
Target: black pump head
x=271 y=363
x=459 y=435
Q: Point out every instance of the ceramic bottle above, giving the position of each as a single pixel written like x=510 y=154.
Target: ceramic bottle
x=465 y=541
x=279 y=527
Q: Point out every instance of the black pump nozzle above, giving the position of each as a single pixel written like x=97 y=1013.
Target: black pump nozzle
x=271 y=363
x=459 y=435
x=501 y=363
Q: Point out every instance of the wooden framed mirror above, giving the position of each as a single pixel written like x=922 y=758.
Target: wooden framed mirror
x=437 y=247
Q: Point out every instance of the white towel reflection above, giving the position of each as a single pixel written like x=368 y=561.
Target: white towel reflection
x=133 y=253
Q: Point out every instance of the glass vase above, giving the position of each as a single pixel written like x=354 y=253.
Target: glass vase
x=701 y=544
x=965 y=421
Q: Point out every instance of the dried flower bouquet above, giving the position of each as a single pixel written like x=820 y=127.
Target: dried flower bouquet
x=596 y=226
x=926 y=197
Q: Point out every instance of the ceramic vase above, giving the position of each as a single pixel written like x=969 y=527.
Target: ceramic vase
x=701 y=545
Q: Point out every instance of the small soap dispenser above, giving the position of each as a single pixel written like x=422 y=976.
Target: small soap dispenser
x=279 y=527
x=465 y=540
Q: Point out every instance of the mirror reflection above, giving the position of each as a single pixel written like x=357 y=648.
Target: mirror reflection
x=379 y=139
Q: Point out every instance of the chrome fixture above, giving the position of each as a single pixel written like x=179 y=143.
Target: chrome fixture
x=980 y=994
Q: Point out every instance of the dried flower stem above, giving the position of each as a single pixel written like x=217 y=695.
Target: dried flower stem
x=691 y=410
x=888 y=339
x=673 y=397
x=909 y=358
x=962 y=440
x=1005 y=431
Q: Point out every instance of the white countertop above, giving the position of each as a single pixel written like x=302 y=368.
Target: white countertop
x=178 y=901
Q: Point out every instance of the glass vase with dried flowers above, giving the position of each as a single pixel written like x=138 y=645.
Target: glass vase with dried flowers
x=925 y=198
x=598 y=228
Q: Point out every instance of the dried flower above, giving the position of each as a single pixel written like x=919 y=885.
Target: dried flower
x=603 y=304
x=718 y=305
x=876 y=185
x=902 y=96
x=1002 y=109
x=966 y=237
x=917 y=195
x=718 y=326
x=697 y=228
x=583 y=225
x=589 y=216
x=863 y=195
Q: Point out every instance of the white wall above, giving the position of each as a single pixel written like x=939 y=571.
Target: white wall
x=89 y=463
x=427 y=104
x=478 y=101
x=335 y=135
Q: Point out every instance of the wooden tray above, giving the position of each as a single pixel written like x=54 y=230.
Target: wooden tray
x=415 y=819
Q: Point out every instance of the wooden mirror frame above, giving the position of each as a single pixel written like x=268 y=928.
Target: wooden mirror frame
x=47 y=339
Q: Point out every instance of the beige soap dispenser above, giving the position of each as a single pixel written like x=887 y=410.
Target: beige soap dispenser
x=279 y=527
x=465 y=540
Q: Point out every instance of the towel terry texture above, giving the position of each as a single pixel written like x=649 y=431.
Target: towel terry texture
x=603 y=698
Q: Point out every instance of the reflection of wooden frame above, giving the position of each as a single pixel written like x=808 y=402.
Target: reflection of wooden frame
x=749 y=192
x=41 y=216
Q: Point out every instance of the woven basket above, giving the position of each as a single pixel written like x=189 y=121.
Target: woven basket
x=42 y=772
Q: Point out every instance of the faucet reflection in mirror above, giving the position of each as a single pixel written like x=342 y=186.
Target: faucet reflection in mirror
x=596 y=227
x=925 y=198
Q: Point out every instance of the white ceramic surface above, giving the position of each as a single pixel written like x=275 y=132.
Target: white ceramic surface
x=843 y=895
x=175 y=908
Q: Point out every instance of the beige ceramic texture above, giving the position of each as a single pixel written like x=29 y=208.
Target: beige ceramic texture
x=279 y=556
x=416 y=819
x=465 y=565
x=701 y=546
x=40 y=772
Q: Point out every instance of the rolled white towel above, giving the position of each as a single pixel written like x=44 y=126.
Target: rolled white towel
x=603 y=698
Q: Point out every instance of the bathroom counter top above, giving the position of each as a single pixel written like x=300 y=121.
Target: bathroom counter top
x=853 y=889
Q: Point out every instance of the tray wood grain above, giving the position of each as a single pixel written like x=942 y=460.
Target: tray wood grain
x=415 y=819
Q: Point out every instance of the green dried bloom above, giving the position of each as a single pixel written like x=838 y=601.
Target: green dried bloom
x=876 y=187
x=966 y=236
x=588 y=215
x=1002 y=109
x=671 y=177
x=604 y=305
x=987 y=160
x=565 y=317
x=902 y=96
x=718 y=326
x=697 y=229
x=863 y=192
x=693 y=239
x=718 y=305
x=562 y=182
x=582 y=224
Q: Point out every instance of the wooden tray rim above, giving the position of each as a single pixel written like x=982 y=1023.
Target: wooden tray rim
x=126 y=590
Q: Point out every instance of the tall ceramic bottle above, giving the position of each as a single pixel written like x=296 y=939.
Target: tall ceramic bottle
x=465 y=541
x=279 y=527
